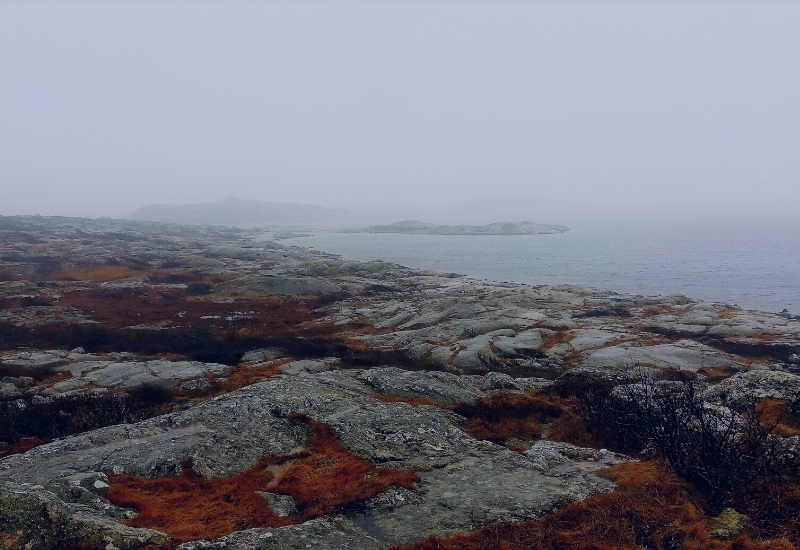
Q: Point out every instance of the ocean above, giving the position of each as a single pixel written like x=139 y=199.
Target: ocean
x=754 y=264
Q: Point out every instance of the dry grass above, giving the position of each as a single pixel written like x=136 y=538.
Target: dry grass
x=100 y=273
x=560 y=337
x=650 y=508
x=777 y=410
x=245 y=375
x=659 y=309
x=500 y=418
x=22 y=447
x=321 y=479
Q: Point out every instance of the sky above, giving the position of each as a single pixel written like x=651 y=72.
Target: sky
x=618 y=106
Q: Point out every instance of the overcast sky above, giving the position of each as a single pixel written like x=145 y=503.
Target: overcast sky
x=108 y=106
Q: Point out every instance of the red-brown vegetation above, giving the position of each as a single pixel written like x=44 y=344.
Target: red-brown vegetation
x=502 y=417
x=715 y=374
x=778 y=411
x=99 y=273
x=245 y=375
x=23 y=446
x=117 y=308
x=650 y=508
x=659 y=309
x=559 y=337
x=320 y=479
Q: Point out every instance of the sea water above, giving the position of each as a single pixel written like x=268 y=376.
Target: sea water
x=750 y=263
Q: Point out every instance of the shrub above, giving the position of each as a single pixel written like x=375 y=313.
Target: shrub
x=60 y=415
x=502 y=417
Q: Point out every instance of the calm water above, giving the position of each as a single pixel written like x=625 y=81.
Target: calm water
x=754 y=264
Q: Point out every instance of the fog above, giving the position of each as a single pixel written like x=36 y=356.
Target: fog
x=595 y=107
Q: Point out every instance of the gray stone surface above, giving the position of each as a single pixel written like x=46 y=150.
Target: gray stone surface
x=682 y=355
x=463 y=480
x=158 y=373
x=758 y=384
x=309 y=366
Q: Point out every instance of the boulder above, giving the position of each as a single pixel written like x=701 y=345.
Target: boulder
x=499 y=381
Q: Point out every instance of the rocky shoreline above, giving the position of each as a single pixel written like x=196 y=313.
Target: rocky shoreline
x=202 y=343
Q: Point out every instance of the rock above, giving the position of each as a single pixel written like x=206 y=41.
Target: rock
x=198 y=386
x=439 y=387
x=38 y=518
x=682 y=355
x=20 y=382
x=309 y=366
x=499 y=381
x=130 y=375
x=36 y=362
x=613 y=375
x=758 y=384
x=8 y=390
x=265 y=354
x=461 y=479
x=79 y=351
x=727 y=525
x=283 y=505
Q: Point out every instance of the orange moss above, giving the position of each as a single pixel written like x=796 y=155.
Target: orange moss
x=21 y=447
x=650 y=508
x=246 y=375
x=321 y=479
x=331 y=477
x=560 y=337
x=659 y=309
x=777 y=410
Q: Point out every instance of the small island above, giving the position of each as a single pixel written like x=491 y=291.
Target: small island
x=415 y=227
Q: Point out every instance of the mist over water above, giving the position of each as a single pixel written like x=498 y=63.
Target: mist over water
x=751 y=264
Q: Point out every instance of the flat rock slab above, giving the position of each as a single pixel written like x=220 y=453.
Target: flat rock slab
x=463 y=480
x=130 y=375
x=682 y=355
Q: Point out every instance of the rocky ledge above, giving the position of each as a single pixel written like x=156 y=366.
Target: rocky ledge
x=182 y=357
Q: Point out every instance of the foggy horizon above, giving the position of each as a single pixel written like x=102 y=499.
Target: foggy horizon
x=614 y=106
